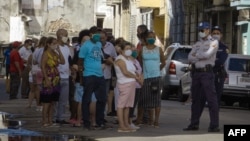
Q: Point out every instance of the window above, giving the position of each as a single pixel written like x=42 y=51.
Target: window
x=100 y=22
x=239 y=64
x=181 y=55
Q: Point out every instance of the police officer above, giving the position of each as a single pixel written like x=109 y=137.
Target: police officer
x=203 y=57
x=221 y=56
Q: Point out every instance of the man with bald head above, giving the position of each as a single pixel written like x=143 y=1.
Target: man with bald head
x=64 y=70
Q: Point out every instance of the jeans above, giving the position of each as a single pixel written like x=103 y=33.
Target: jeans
x=63 y=99
x=97 y=85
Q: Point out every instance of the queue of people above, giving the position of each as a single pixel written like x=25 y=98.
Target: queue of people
x=97 y=72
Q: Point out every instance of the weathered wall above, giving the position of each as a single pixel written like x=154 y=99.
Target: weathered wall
x=7 y=8
x=47 y=16
x=73 y=16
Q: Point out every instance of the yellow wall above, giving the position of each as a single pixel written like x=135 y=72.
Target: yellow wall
x=149 y=3
x=159 y=25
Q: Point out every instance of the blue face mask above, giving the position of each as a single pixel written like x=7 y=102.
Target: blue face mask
x=134 y=54
x=96 y=37
x=151 y=41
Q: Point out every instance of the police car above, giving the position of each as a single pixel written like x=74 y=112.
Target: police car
x=236 y=85
x=176 y=56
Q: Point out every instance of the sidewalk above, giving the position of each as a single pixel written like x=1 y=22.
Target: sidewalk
x=173 y=119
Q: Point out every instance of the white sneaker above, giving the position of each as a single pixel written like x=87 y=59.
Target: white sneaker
x=134 y=127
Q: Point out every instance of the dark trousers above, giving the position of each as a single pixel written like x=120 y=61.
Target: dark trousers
x=203 y=89
x=72 y=103
x=25 y=87
x=219 y=85
x=15 y=81
x=97 y=85
x=137 y=94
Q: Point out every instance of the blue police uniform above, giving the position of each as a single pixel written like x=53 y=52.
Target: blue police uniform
x=219 y=70
x=202 y=57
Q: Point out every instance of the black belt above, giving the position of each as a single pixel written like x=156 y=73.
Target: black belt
x=207 y=68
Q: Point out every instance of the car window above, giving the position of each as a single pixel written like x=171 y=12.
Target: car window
x=168 y=51
x=181 y=55
x=239 y=64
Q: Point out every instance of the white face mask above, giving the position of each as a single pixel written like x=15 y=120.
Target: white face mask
x=128 y=52
x=202 y=34
x=217 y=37
x=65 y=39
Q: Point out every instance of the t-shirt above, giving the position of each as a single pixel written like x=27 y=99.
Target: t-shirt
x=92 y=55
x=15 y=57
x=7 y=56
x=37 y=55
x=25 y=53
x=64 y=69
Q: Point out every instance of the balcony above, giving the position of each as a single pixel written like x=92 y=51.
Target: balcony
x=240 y=4
x=113 y=2
x=149 y=3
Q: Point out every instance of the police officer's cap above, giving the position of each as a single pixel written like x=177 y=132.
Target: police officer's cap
x=204 y=25
x=216 y=28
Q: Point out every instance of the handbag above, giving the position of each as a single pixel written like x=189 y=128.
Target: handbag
x=154 y=86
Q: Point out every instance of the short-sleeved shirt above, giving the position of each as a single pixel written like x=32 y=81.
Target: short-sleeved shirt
x=92 y=55
x=25 y=53
x=64 y=69
x=7 y=56
x=15 y=57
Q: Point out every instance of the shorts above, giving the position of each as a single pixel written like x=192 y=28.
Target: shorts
x=79 y=93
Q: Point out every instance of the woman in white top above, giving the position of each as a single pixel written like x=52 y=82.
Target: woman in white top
x=126 y=83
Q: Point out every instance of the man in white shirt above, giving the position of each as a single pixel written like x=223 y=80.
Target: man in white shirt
x=25 y=52
x=64 y=70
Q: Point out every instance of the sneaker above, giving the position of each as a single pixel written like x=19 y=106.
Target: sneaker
x=215 y=129
x=100 y=127
x=191 y=128
x=62 y=122
x=132 y=126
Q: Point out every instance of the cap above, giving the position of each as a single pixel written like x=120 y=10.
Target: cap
x=204 y=25
x=16 y=44
x=216 y=28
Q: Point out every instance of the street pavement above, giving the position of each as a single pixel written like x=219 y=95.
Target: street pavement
x=174 y=117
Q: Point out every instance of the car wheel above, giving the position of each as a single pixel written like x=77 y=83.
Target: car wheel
x=181 y=97
x=164 y=94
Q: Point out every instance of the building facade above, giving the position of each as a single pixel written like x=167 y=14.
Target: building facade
x=242 y=23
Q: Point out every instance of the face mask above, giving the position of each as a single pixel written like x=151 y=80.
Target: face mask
x=151 y=41
x=33 y=44
x=64 y=39
x=217 y=37
x=128 y=52
x=202 y=34
x=96 y=37
x=134 y=54
x=29 y=47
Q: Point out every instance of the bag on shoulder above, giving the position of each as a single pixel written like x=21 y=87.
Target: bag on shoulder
x=154 y=86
